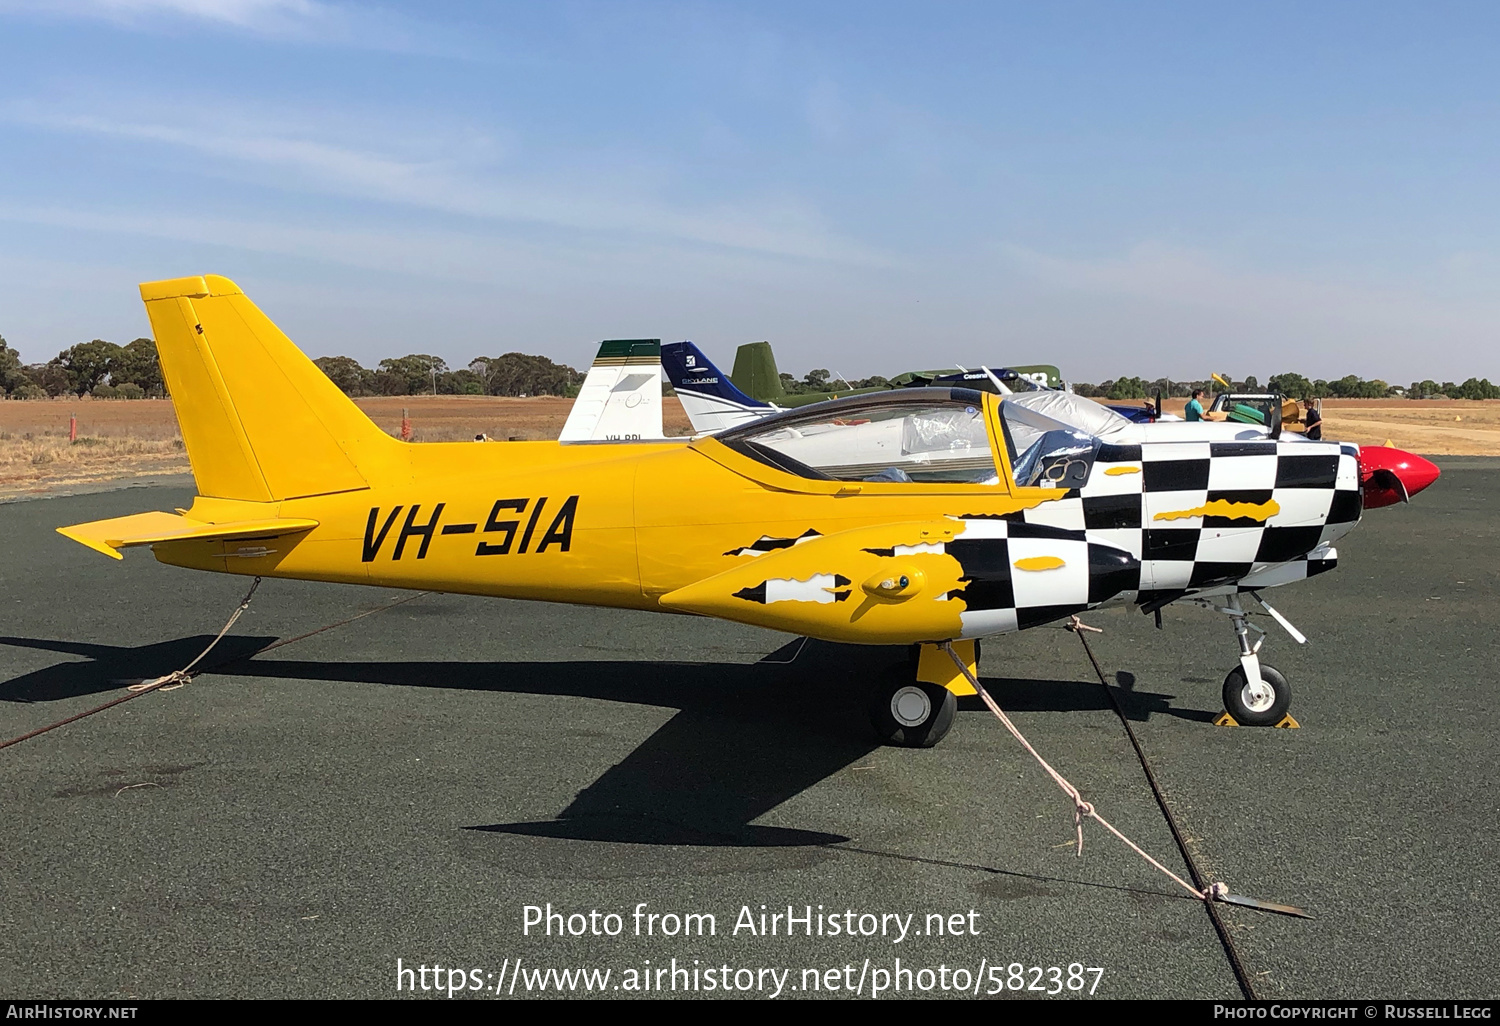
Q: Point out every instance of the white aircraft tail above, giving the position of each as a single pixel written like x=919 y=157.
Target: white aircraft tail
x=621 y=398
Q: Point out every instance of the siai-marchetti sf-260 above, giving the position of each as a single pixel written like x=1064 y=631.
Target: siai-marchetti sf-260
x=925 y=517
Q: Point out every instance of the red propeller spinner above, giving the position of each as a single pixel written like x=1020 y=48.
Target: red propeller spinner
x=1388 y=476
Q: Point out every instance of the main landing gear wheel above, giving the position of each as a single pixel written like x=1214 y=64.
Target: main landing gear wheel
x=909 y=713
x=1250 y=707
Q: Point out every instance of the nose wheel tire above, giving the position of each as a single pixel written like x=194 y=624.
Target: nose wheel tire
x=1251 y=708
x=911 y=714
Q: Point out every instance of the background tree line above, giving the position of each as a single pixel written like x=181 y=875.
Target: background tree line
x=820 y=380
x=108 y=371
x=97 y=368
x=423 y=374
x=1295 y=385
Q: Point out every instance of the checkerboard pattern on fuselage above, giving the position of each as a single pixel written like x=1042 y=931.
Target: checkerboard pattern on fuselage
x=1001 y=594
x=1314 y=487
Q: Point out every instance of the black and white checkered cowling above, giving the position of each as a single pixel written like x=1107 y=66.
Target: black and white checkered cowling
x=1315 y=486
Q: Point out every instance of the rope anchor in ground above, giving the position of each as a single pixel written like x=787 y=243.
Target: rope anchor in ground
x=1083 y=809
x=178 y=678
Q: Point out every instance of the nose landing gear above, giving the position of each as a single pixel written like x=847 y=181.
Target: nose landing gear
x=1255 y=694
x=1250 y=705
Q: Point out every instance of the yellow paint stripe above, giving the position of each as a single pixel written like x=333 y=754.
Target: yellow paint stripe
x=1117 y=471
x=1039 y=563
x=1261 y=511
x=625 y=361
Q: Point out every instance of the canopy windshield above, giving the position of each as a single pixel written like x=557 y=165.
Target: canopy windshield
x=1075 y=411
x=926 y=437
x=1045 y=452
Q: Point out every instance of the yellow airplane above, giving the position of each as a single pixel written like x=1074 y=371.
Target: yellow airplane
x=914 y=517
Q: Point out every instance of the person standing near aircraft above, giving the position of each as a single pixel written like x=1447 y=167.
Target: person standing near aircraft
x=1195 y=405
x=1313 y=418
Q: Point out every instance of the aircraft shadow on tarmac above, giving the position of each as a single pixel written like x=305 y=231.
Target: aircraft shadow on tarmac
x=746 y=738
x=110 y=667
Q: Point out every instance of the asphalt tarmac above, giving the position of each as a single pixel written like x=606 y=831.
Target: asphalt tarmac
x=404 y=786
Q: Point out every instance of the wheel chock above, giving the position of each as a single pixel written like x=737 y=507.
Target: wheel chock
x=1226 y=720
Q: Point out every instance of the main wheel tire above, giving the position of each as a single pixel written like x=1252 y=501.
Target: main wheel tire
x=1244 y=707
x=910 y=713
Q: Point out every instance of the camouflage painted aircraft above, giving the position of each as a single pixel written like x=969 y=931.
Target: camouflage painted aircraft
x=927 y=517
x=714 y=400
x=756 y=377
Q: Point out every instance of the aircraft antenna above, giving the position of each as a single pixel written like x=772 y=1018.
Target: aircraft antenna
x=993 y=377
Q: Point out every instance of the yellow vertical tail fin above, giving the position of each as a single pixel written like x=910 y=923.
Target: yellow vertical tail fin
x=259 y=420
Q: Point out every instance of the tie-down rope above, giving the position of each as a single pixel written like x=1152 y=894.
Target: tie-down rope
x=1081 y=808
x=178 y=678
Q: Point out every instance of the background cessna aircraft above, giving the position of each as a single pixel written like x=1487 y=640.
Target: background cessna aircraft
x=928 y=517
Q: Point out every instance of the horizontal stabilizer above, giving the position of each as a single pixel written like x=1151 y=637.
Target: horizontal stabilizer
x=109 y=536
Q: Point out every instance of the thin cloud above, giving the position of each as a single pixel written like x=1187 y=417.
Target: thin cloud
x=449 y=256
x=313 y=22
x=269 y=16
x=1174 y=276
x=1163 y=305
x=307 y=160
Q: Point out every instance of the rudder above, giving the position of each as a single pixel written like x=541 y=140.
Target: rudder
x=711 y=400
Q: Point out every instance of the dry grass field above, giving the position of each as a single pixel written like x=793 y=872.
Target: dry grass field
x=119 y=439
x=454 y=418
x=136 y=438
x=1442 y=427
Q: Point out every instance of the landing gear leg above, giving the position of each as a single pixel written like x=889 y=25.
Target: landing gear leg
x=1255 y=695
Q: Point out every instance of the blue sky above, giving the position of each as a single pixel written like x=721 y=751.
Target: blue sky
x=1113 y=187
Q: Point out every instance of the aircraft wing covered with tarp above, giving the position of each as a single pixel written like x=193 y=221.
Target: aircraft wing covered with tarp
x=1078 y=412
x=1105 y=424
